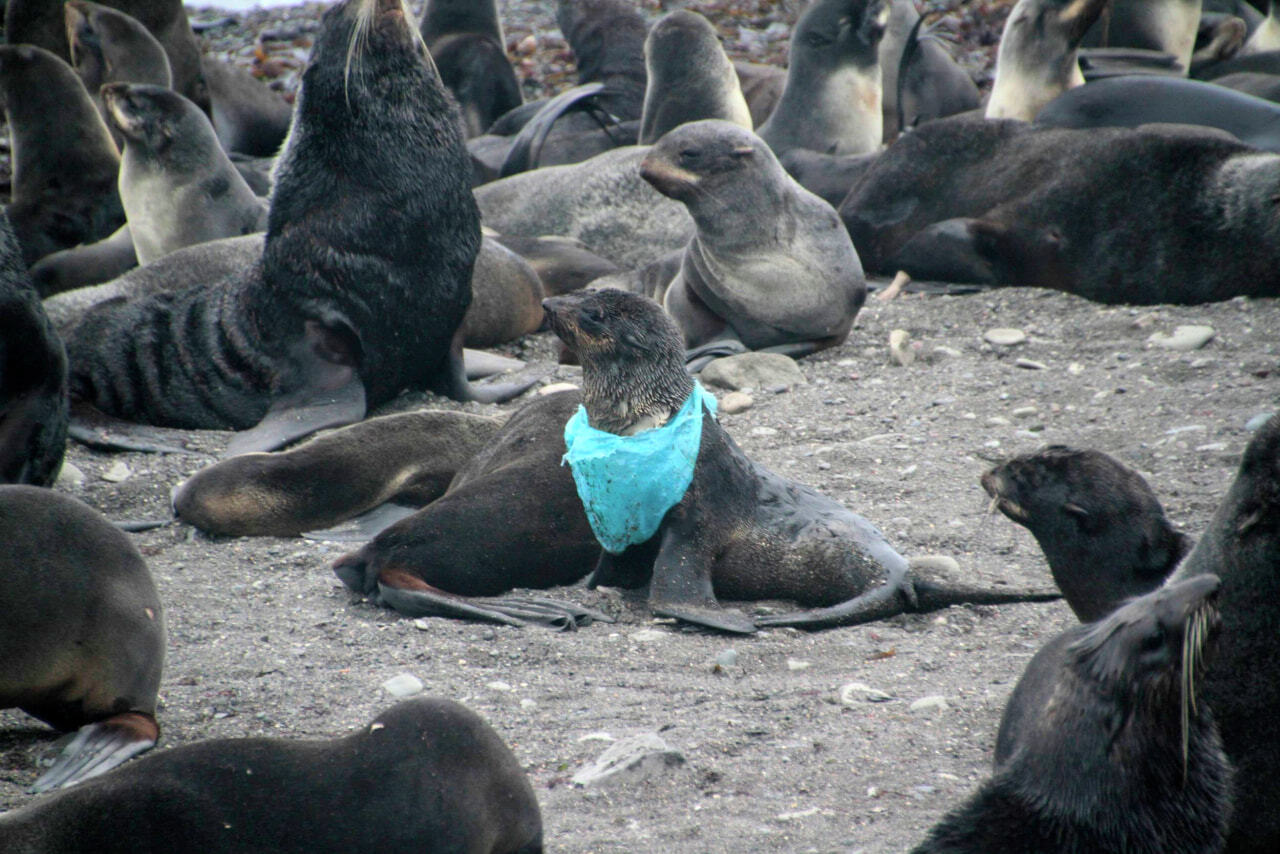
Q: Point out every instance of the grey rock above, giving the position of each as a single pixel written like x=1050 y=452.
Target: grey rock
x=632 y=760
x=404 y=685
x=1183 y=339
x=1004 y=336
x=735 y=402
x=753 y=370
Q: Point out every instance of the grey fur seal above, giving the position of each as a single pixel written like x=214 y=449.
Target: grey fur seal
x=740 y=531
x=177 y=185
x=769 y=267
x=82 y=641
x=466 y=42
x=33 y=376
x=832 y=100
x=1037 y=58
x=967 y=200
x=920 y=79
x=562 y=263
x=762 y=86
x=364 y=277
x=1242 y=547
x=408 y=458
x=1139 y=100
x=1105 y=745
x=1101 y=528
x=64 y=161
x=1169 y=26
x=426 y=775
x=689 y=77
x=41 y=23
x=249 y=117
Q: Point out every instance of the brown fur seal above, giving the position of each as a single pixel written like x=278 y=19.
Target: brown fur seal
x=465 y=39
x=1112 y=750
x=562 y=263
x=364 y=278
x=82 y=641
x=64 y=161
x=1037 y=58
x=769 y=267
x=177 y=185
x=1242 y=547
x=740 y=531
x=408 y=458
x=1101 y=528
x=690 y=77
x=426 y=775
x=832 y=100
x=41 y=23
x=968 y=200
x=33 y=376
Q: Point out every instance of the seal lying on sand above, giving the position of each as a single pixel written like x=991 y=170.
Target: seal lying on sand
x=365 y=274
x=1100 y=526
x=426 y=775
x=1104 y=745
x=739 y=531
x=82 y=639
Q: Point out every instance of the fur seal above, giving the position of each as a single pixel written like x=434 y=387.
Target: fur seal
x=967 y=200
x=562 y=263
x=762 y=87
x=1169 y=26
x=408 y=458
x=1140 y=100
x=920 y=79
x=33 y=376
x=64 y=161
x=1105 y=745
x=466 y=42
x=832 y=100
x=41 y=23
x=1242 y=547
x=1266 y=36
x=82 y=641
x=428 y=774
x=364 y=277
x=769 y=268
x=1101 y=528
x=177 y=185
x=740 y=531
x=690 y=77
x=250 y=118
x=830 y=177
x=1037 y=58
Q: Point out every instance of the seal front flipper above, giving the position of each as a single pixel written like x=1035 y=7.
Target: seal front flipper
x=326 y=390
x=366 y=526
x=681 y=583
x=99 y=747
x=527 y=148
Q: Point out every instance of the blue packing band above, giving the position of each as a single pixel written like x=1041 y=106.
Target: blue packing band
x=628 y=483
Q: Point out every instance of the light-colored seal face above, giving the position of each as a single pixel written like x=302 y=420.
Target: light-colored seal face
x=1037 y=58
x=109 y=46
x=690 y=77
x=832 y=100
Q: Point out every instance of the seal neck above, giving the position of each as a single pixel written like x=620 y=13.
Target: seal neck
x=629 y=396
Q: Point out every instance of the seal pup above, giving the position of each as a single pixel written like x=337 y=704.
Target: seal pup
x=409 y=458
x=1242 y=547
x=769 y=267
x=739 y=531
x=64 y=161
x=762 y=86
x=1037 y=60
x=1114 y=752
x=562 y=263
x=428 y=774
x=177 y=184
x=967 y=200
x=364 y=277
x=1100 y=526
x=832 y=100
x=920 y=79
x=82 y=641
x=250 y=117
x=466 y=42
x=1169 y=26
x=42 y=23
x=33 y=376
x=690 y=77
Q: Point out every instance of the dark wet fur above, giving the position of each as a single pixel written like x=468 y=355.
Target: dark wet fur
x=1092 y=755
x=465 y=40
x=1102 y=529
x=371 y=240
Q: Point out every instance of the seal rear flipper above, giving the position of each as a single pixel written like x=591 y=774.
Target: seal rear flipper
x=726 y=344
x=681 y=586
x=527 y=148
x=481 y=363
x=409 y=595
x=95 y=429
x=931 y=596
x=887 y=600
x=452 y=380
x=366 y=526
x=99 y=747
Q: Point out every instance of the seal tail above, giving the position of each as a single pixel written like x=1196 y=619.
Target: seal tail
x=99 y=747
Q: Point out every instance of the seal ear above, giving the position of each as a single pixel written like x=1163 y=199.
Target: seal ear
x=634 y=341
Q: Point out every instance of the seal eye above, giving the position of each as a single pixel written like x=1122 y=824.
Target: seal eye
x=690 y=153
x=816 y=39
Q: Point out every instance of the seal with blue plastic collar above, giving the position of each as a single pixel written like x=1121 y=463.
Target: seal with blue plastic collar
x=628 y=483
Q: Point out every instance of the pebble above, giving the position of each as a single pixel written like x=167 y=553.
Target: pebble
x=1004 y=336
x=900 y=351
x=555 y=387
x=933 y=701
x=498 y=686
x=735 y=402
x=1183 y=339
x=753 y=370
x=1212 y=446
x=631 y=760
x=646 y=635
x=853 y=691
x=118 y=473
x=1024 y=412
x=794 y=664
x=404 y=685
x=792 y=816
x=998 y=421
x=944 y=564
x=763 y=431
x=70 y=477
x=943 y=352
x=727 y=657
x=526 y=703
x=1252 y=424
x=1075 y=369
x=1030 y=365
